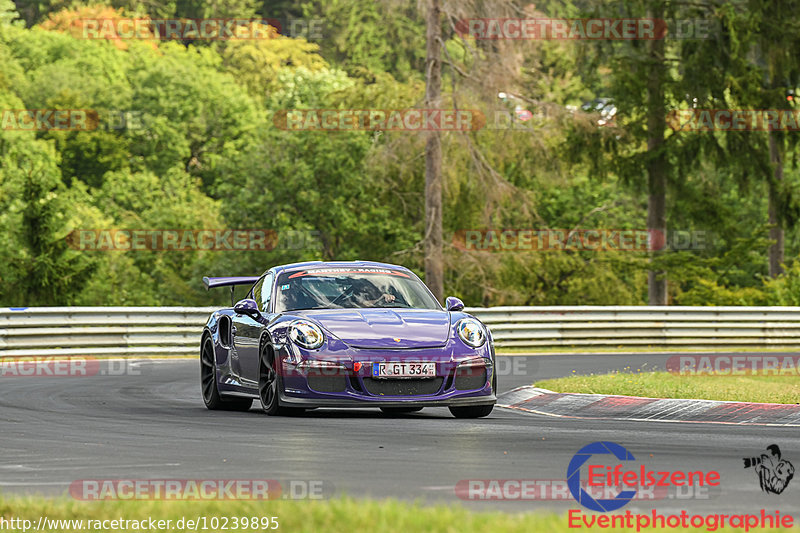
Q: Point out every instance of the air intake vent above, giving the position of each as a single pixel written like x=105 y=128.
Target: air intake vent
x=403 y=387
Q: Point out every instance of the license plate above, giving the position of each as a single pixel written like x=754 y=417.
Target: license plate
x=404 y=370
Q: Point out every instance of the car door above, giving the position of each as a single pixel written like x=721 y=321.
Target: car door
x=248 y=331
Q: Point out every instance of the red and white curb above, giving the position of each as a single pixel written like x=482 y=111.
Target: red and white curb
x=608 y=407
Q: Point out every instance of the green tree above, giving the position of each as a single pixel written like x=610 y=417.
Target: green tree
x=372 y=36
x=40 y=266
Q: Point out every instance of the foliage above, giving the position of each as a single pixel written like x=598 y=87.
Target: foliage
x=187 y=138
x=39 y=213
x=378 y=516
x=372 y=36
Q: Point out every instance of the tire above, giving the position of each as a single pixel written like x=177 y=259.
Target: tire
x=208 y=383
x=269 y=385
x=400 y=410
x=472 y=411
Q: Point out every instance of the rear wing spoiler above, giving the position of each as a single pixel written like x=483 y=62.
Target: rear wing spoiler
x=229 y=281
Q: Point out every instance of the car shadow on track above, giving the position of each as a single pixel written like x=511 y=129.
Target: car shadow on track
x=431 y=413
x=362 y=413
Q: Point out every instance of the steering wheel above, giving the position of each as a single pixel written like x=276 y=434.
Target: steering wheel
x=346 y=294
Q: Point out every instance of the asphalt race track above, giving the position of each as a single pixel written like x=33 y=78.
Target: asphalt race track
x=146 y=420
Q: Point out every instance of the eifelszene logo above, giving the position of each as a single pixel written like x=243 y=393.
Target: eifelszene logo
x=602 y=475
x=774 y=473
x=574 y=476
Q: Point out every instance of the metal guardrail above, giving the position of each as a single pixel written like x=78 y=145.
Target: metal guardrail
x=637 y=326
x=174 y=331
x=93 y=331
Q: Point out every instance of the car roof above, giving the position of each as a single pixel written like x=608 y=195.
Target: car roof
x=335 y=264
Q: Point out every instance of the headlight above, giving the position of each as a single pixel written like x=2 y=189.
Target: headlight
x=471 y=332
x=306 y=334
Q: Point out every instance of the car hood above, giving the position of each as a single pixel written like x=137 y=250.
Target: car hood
x=384 y=328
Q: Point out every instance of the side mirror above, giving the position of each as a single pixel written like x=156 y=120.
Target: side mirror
x=246 y=307
x=453 y=304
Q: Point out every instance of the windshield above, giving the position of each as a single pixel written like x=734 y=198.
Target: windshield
x=338 y=288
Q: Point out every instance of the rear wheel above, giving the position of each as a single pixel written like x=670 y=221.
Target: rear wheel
x=269 y=384
x=400 y=410
x=472 y=411
x=208 y=382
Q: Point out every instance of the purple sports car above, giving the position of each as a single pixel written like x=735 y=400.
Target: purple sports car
x=345 y=334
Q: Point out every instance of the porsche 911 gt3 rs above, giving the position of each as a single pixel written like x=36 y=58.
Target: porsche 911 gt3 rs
x=345 y=334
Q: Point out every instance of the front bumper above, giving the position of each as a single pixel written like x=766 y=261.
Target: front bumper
x=292 y=401
x=350 y=383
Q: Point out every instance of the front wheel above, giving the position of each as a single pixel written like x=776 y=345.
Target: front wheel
x=269 y=385
x=472 y=411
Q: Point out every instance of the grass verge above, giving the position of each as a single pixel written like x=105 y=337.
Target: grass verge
x=580 y=350
x=762 y=389
x=341 y=514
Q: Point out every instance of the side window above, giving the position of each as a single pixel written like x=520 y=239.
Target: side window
x=264 y=292
x=257 y=290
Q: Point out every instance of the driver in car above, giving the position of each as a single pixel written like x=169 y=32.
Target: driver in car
x=385 y=297
x=371 y=295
